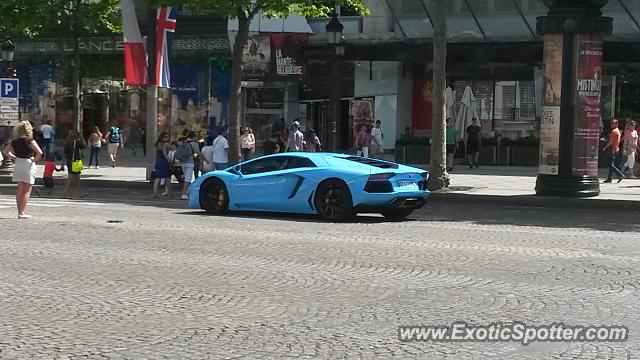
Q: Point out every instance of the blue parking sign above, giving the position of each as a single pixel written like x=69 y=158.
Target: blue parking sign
x=9 y=88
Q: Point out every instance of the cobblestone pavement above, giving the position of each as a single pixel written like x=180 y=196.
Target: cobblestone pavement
x=149 y=280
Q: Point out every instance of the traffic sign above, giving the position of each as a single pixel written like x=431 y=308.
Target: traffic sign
x=9 y=88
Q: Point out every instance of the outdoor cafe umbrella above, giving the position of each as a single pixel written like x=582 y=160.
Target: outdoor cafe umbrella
x=466 y=113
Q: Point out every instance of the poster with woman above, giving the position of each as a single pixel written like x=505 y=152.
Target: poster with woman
x=550 y=117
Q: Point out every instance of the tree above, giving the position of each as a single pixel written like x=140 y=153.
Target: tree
x=439 y=178
x=79 y=17
x=244 y=11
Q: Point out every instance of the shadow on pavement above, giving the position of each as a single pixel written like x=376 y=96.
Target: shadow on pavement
x=608 y=220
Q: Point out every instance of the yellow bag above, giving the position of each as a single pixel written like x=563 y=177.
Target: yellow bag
x=76 y=166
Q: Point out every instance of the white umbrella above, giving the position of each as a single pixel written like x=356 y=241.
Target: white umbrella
x=466 y=113
x=449 y=104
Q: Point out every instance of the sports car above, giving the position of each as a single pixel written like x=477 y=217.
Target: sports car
x=334 y=186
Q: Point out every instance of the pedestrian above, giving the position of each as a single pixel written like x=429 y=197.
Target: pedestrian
x=115 y=141
x=474 y=141
x=47 y=136
x=25 y=152
x=282 y=136
x=73 y=152
x=377 y=135
x=133 y=140
x=95 y=142
x=296 y=138
x=247 y=143
x=207 y=153
x=186 y=153
x=49 y=167
x=198 y=159
x=220 y=151
x=162 y=166
x=614 y=148
x=630 y=147
x=143 y=140
x=363 y=141
x=451 y=136
x=313 y=145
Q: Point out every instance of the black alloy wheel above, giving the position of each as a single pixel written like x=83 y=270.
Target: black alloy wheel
x=333 y=201
x=214 y=197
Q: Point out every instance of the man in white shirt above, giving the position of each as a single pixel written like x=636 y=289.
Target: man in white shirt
x=47 y=136
x=376 y=139
x=296 y=138
x=220 y=152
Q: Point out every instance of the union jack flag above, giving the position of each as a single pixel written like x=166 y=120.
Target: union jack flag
x=165 y=27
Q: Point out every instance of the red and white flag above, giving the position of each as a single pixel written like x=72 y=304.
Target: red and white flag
x=135 y=55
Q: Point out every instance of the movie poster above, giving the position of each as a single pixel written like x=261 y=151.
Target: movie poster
x=587 y=113
x=550 y=119
x=257 y=57
x=288 y=56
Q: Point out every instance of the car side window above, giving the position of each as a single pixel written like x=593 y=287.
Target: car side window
x=295 y=162
x=263 y=165
x=275 y=164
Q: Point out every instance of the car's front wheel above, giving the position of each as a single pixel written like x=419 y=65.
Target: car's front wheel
x=333 y=201
x=397 y=214
x=214 y=197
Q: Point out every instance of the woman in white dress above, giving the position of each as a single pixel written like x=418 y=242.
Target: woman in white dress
x=25 y=152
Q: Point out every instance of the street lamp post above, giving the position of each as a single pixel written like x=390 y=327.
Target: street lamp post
x=6 y=57
x=334 y=33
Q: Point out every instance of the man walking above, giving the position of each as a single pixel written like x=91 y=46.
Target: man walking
x=296 y=138
x=186 y=152
x=115 y=142
x=376 y=139
x=220 y=151
x=452 y=142
x=47 y=136
x=614 y=148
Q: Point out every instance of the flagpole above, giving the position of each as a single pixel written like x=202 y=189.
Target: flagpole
x=152 y=89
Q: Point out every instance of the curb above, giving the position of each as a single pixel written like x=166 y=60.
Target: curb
x=94 y=183
x=534 y=201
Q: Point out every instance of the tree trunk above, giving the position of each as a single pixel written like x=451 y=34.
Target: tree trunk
x=439 y=178
x=235 y=95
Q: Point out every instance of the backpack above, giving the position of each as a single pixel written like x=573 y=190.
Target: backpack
x=184 y=152
x=114 y=135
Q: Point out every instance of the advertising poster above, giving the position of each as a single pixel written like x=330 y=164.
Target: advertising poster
x=587 y=114
x=257 y=57
x=288 y=56
x=550 y=117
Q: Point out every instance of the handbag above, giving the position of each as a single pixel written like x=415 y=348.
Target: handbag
x=76 y=165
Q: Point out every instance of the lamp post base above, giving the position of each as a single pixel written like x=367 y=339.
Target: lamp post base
x=567 y=186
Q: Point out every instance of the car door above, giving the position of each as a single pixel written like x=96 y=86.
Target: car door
x=260 y=185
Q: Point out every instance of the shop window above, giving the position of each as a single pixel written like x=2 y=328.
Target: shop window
x=481 y=6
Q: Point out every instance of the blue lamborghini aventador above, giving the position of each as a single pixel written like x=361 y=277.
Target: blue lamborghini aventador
x=335 y=186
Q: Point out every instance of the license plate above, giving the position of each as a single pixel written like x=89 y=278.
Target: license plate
x=405 y=183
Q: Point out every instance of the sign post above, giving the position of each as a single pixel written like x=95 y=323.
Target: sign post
x=9 y=109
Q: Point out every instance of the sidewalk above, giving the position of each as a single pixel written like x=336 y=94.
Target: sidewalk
x=500 y=185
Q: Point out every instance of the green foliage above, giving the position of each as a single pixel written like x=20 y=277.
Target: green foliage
x=34 y=17
x=273 y=8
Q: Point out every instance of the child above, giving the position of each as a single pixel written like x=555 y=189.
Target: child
x=49 y=167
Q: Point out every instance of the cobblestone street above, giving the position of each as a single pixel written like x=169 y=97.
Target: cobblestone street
x=103 y=279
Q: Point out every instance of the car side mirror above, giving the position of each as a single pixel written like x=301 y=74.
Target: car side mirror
x=238 y=170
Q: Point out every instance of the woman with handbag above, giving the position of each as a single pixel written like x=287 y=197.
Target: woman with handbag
x=73 y=153
x=25 y=152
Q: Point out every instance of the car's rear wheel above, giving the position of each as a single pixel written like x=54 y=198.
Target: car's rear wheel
x=333 y=201
x=397 y=214
x=214 y=197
